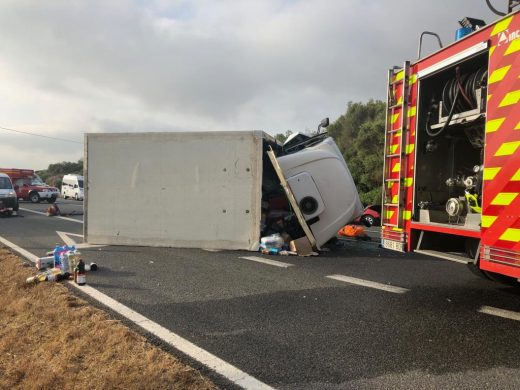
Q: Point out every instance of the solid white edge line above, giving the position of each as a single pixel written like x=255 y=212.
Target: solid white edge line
x=368 y=283
x=216 y=364
x=39 y=212
x=494 y=311
x=280 y=264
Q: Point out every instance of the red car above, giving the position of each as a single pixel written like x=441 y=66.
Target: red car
x=371 y=216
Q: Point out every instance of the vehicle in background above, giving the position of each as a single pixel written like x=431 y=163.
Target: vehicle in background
x=72 y=187
x=371 y=216
x=29 y=186
x=8 y=199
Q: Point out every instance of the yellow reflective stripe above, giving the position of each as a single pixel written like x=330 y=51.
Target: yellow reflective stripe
x=400 y=101
x=513 y=47
x=517 y=127
x=494 y=124
x=397 y=229
x=498 y=74
x=507 y=148
x=399 y=76
x=395 y=199
x=408 y=181
x=394 y=118
x=413 y=79
x=504 y=198
x=487 y=220
x=396 y=167
x=411 y=111
x=489 y=97
x=490 y=173
x=511 y=234
x=510 y=98
x=516 y=176
x=389 y=214
x=393 y=148
x=409 y=148
x=501 y=26
x=491 y=50
x=390 y=184
x=407 y=215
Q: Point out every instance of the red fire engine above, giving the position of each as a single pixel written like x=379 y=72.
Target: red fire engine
x=29 y=186
x=452 y=151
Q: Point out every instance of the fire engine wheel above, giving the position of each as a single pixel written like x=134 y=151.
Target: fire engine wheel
x=34 y=197
x=503 y=279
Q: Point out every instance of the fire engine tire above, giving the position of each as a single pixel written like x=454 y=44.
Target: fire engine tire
x=368 y=220
x=51 y=200
x=34 y=197
x=503 y=279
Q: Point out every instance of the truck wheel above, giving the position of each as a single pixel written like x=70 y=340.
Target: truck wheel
x=51 y=199
x=34 y=197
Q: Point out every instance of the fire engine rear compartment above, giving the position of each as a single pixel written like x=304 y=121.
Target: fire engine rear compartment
x=450 y=138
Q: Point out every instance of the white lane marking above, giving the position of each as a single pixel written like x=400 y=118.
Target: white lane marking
x=69 y=241
x=267 y=261
x=494 y=311
x=218 y=365
x=39 y=212
x=211 y=250
x=368 y=283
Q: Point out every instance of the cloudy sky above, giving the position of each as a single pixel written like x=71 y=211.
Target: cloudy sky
x=70 y=67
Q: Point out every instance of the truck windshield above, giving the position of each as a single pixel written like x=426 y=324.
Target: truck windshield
x=36 y=181
x=5 y=184
x=80 y=182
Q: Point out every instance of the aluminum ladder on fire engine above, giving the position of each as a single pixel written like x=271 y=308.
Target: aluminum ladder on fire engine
x=394 y=107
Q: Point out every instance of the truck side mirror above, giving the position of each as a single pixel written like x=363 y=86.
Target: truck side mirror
x=324 y=123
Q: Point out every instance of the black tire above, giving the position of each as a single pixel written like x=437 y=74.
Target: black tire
x=367 y=220
x=51 y=199
x=503 y=279
x=34 y=197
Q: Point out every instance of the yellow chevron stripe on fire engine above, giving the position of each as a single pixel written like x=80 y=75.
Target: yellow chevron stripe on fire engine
x=394 y=118
x=504 y=198
x=511 y=234
x=410 y=148
x=408 y=181
x=399 y=75
x=389 y=214
x=494 y=124
x=395 y=199
x=517 y=127
x=491 y=50
x=498 y=74
x=487 y=220
x=396 y=167
x=393 y=148
x=411 y=111
x=510 y=98
x=400 y=100
x=489 y=97
x=490 y=173
x=390 y=184
x=507 y=148
x=501 y=26
x=413 y=79
x=516 y=176
x=514 y=46
x=407 y=215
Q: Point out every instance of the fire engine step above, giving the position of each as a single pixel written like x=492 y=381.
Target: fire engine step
x=444 y=255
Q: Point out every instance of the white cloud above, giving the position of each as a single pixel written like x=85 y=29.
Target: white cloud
x=73 y=66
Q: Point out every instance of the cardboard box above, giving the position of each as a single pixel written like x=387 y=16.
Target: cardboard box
x=302 y=246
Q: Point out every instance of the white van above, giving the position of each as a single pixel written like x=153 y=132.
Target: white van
x=72 y=187
x=8 y=198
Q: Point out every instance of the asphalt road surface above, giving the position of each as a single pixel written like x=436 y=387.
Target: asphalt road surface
x=358 y=317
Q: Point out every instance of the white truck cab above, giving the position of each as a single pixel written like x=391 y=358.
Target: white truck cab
x=8 y=198
x=72 y=187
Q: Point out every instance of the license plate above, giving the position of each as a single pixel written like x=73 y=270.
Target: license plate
x=393 y=245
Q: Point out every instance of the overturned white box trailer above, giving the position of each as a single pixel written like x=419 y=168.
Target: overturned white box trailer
x=214 y=190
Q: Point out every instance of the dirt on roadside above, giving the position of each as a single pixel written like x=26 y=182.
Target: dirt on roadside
x=50 y=339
